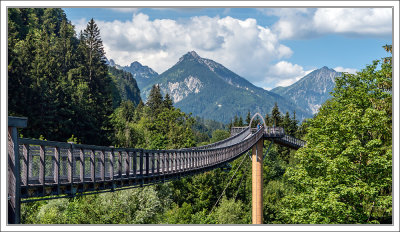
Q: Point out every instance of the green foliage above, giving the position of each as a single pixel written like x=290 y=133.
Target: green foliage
x=73 y=139
x=58 y=81
x=134 y=206
x=276 y=116
x=248 y=118
x=231 y=212
x=180 y=215
x=218 y=135
x=203 y=129
x=344 y=174
x=152 y=126
x=126 y=87
x=155 y=101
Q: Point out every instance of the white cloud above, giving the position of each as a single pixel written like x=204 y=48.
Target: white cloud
x=80 y=25
x=348 y=70
x=284 y=73
x=250 y=50
x=360 y=21
x=241 y=45
x=308 y=22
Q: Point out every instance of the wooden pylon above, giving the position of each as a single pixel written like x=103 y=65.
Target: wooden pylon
x=257 y=182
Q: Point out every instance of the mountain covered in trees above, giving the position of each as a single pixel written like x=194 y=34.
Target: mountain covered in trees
x=207 y=89
x=126 y=86
x=311 y=91
x=142 y=74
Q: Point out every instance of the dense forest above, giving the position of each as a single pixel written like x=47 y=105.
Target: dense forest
x=60 y=81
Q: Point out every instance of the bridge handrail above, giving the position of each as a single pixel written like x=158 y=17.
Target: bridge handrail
x=237 y=128
x=294 y=140
x=22 y=141
x=57 y=166
x=221 y=141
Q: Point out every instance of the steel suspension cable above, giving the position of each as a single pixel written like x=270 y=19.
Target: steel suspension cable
x=240 y=183
x=244 y=157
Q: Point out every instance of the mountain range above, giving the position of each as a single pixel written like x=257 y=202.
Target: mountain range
x=311 y=91
x=207 y=89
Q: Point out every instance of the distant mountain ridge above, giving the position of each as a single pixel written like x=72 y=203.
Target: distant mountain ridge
x=210 y=90
x=142 y=74
x=311 y=91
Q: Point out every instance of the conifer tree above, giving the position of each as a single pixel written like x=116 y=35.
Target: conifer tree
x=95 y=85
x=286 y=123
x=276 y=115
x=94 y=52
x=240 y=124
x=248 y=118
x=293 y=125
x=168 y=101
x=139 y=111
x=268 y=120
x=155 y=101
x=236 y=121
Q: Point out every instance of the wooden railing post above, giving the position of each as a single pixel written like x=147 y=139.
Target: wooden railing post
x=25 y=167
x=119 y=165
x=93 y=167
x=82 y=165
x=57 y=168
x=14 y=178
x=141 y=164
x=111 y=170
x=127 y=164
x=134 y=164
x=147 y=154
x=103 y=165
x=70 y=166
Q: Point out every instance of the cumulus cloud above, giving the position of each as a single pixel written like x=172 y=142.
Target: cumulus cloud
x=80 y=24
x=284 y=73
x=348 y=70
x=241 y=45
x=308 y=22
x=250 y=50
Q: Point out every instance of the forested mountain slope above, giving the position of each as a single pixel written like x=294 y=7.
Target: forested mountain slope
x=209 y=90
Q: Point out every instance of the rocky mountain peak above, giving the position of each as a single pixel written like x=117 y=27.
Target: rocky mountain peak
x=325 y=68
x=194 y=54
x=136 y=65
x=190 y=56
x=311 y=91
x=112 y=62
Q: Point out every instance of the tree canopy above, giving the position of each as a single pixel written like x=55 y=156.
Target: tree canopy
x=344 y=174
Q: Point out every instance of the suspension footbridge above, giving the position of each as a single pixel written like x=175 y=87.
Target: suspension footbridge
x=40 y=169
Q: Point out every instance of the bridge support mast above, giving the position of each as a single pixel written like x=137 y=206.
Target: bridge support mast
x=257 y=182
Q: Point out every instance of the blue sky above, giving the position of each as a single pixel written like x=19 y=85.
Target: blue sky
x=268 y=46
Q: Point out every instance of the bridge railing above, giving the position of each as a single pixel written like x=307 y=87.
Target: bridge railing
x=295 y=141
x=54 y=168
x=237 y=130
x=228 y=141
x=275 y=131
